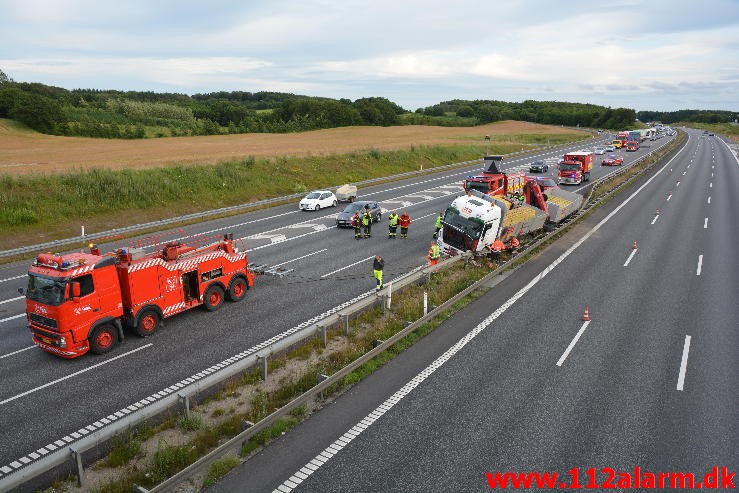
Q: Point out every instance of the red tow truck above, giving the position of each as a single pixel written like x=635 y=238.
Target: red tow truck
x=80 y=302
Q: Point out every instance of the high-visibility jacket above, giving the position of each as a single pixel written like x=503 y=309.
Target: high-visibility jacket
x=498 y=246
x=366 y=219
x=434 y=252
x=405 y=220
x=514 y=242
x=356 y=221
x=393 y=219
x=438 y=222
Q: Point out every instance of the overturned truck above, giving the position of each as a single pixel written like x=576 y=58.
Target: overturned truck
x=501 y=207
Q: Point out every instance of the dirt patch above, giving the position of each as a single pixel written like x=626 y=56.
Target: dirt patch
x=24 y=152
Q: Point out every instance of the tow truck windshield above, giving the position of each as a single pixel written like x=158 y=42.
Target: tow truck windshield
x=45 y=290
x=480 y=186
x=471 y=226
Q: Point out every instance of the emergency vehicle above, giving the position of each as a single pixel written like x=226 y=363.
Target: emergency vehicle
x=80 y=302
x=575 y=168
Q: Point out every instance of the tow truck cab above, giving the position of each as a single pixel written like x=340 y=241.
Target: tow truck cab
x=68 y=297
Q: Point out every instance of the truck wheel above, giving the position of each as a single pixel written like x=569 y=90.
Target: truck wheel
x=318 y=208
x=148 y=323
x=103 y=339
x=334 y=204
x=213 y=298
x=237 y=289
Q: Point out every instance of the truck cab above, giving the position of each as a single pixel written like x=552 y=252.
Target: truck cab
x=73 y=303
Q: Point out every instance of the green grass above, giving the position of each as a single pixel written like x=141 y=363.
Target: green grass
x=44 y=204
x=218 y=469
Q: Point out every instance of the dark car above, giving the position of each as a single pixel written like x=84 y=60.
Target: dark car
x=538 y=167
x=344 y=219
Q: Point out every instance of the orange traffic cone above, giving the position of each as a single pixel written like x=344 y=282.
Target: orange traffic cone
x=586 y=315
x=634 y=244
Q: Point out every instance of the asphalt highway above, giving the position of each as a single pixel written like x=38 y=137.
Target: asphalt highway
x=519 y=382
x=45 y=398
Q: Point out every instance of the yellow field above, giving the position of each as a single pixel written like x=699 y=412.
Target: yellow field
x=23 y=151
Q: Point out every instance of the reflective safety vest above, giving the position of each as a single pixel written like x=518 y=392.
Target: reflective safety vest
x=498 y=246
x=393 y=219
x=514 y=242
x=434 y=252
x=438 y=222
x=356 y=222
x=405 y=221
x=366 y=219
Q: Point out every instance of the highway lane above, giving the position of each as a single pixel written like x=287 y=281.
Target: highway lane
x=94 y=387
x=501 y=402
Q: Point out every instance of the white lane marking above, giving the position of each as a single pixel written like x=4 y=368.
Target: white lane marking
x=12 y=318
x=655 y=219
x=633 y=252
x=348 y=266
x=705 y=223
x=683 y=364
x=352 y=433
x=573 y=342
x=711 y=174
x=16 y=352
x=709 y=199
x=669 y=197
x=12 y=299
x=677 y=184
x=700 y=263
x=53 y=382
x=710 y=185
x=13 y=278
x=300 y=258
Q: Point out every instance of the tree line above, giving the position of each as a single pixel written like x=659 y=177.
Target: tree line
x=697 y=116
x=139 y=114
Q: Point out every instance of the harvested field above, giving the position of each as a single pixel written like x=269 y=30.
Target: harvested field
x=25 y=152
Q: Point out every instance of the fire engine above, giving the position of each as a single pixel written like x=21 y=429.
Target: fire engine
x=80 y=302
x=575 y=167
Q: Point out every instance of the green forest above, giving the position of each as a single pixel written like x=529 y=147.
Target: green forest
x=146 y=114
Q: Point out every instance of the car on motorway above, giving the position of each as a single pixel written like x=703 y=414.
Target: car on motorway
x=612 y=160
x=545 y=182
x=599 y=150
x=538 y=167
x=610 y=148
x=344 y=218
x=317 y=199
x=710 y=134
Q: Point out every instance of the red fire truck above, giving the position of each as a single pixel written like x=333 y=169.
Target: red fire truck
x=80 y=302
x=575 y=167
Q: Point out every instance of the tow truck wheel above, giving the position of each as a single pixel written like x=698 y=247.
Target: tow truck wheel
x=237 y=289
x=103 y=339
x=213 y=298
x=148 y=323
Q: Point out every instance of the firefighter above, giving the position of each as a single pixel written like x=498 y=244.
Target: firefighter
x=378 y=265
x=392 y=221
x=439 y=218
x=513 y=244
x=367 y=222
x=405 y=221
x=357 y=225
x=434 y=253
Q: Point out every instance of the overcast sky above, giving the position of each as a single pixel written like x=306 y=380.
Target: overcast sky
x=646 y=55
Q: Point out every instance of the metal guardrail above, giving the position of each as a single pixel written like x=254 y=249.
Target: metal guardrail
x=249 y=205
